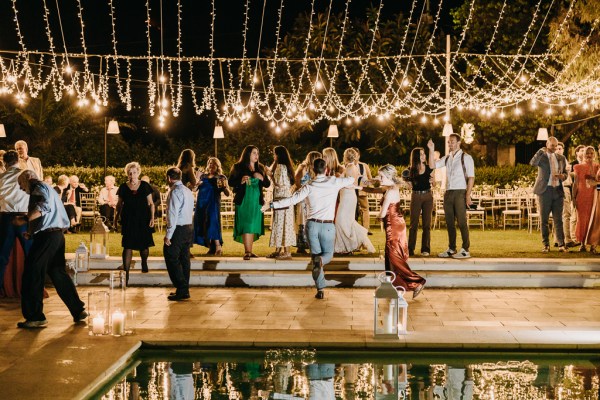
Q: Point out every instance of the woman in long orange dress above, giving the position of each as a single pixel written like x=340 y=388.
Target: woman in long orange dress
x=583 y=193
x=396 y=244
x=593 y=232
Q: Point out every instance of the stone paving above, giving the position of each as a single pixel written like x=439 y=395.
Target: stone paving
x=484 y=319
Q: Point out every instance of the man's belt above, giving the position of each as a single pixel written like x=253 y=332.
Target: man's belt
x=49 y=230
x=321 y=221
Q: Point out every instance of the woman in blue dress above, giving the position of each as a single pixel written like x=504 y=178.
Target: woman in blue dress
x=207 y=218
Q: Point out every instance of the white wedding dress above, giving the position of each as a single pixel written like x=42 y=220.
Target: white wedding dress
x=350 y=235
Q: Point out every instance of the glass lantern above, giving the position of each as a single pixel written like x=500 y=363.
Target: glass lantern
x=123 y=316
x=99 y=313
x=390 y=309
x=99 y=239
x=81 y=258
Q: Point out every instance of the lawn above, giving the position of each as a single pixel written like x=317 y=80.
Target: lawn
x=489 y=243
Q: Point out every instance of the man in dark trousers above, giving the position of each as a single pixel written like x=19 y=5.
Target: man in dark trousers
x=13 y=206
x=549 y=189
x=179 y=234
x=47 y=222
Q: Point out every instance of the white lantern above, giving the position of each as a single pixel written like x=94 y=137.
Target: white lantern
x=390 y=309
x=391 y=381
x=99 y=239
x=81 y=258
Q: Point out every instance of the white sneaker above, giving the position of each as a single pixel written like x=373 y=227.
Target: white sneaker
x=462 y=254
x=425 y=254
x=447 y=254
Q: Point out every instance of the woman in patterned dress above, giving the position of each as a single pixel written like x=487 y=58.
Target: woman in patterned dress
x=283 y=234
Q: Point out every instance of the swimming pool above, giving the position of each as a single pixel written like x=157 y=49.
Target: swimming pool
x=311 y=374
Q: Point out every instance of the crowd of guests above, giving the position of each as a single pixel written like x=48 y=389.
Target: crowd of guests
x=319 y=206
x=570 y=193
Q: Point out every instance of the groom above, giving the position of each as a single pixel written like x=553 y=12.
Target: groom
x=321 y=195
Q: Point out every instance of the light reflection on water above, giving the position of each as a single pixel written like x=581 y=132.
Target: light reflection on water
x=302 y=374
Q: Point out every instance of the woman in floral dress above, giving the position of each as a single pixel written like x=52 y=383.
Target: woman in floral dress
x=283 y=234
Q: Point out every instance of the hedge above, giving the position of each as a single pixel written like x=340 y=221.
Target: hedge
x=520 y=175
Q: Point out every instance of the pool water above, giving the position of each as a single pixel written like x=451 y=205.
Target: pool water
x=324 y=375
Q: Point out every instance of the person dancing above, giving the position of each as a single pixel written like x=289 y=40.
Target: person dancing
x=396 y=247
x=282 y=227
x=304 y=173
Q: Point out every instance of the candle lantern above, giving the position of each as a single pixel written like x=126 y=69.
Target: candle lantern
x=81 y=258
x=99 y=313
x=391 y=381
x=390 y=309
x=122 y=318
x=99 y=239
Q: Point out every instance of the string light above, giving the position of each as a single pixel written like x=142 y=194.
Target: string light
x=316 y=88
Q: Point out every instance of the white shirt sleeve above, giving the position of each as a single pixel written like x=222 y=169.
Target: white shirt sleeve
x=296 y=198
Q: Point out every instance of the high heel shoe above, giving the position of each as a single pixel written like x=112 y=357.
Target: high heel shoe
x=218 y=252
x=247 y=256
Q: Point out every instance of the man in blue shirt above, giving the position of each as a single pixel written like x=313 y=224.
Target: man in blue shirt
x=47 y=222
x=13 y=206
x=179 y=234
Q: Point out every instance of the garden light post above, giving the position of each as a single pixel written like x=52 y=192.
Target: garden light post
x=332 y=133
x=113 y=129
x=2 y=131
x=218 y=134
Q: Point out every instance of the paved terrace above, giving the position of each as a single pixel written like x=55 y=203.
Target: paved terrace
x=63 y=362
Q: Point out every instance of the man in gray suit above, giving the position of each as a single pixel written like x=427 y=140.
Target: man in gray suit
x=548 y=187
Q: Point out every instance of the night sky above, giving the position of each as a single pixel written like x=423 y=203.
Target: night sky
x=131 y=31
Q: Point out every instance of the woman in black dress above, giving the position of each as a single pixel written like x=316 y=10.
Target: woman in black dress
x=136 y=210
x=421 y=200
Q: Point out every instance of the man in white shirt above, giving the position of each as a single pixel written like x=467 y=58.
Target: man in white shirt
x=179 y=234
x=460 y=177
x=107 y=199
x=321 y=195
x=13 y=206
x=25 y=162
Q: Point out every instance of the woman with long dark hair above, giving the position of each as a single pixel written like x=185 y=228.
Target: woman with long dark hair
x=207 y=218
x=282 y=227
x=248 y=179
x=187 y=165
x=421 y=200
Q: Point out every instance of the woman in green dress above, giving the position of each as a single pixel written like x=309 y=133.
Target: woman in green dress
x=248 y=178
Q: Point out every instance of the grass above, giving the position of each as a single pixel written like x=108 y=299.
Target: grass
x=511 y=243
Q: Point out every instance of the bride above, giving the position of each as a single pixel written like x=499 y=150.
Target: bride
x=350 y=235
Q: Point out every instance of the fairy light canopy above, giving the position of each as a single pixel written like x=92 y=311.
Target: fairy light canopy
x=312 y=87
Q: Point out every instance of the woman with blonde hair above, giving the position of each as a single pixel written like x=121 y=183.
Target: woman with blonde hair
x=350 y=236
x=207 y=217
x=334 y=168
x=135 y=213
x=304 y=173
x=396 y=246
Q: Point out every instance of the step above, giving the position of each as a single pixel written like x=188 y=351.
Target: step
x=348 y=279
x=366 y=264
